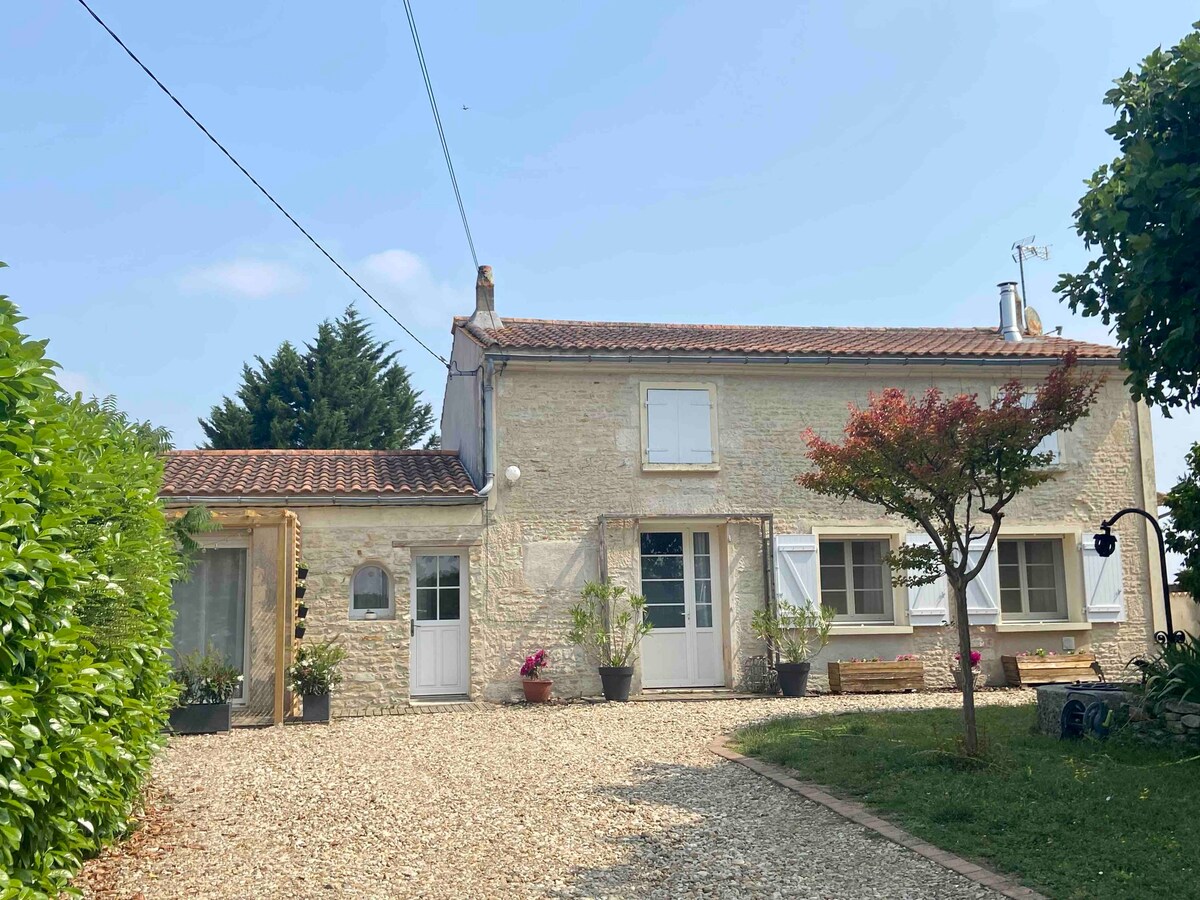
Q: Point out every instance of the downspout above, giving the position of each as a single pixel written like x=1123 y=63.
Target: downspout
x=487 y=428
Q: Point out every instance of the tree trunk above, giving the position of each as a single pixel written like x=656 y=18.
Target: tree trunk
x=958 y=591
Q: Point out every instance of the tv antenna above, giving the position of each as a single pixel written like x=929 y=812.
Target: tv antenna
x=1025 y=249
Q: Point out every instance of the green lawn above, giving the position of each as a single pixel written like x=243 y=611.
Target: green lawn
x=1073 y=820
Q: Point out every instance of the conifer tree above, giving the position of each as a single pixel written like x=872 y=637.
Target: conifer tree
x=344 y=391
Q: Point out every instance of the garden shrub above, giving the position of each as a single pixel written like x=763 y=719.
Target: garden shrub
x=86 y=562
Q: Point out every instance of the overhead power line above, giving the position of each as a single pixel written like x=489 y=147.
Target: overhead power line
x=437 y=120
x=263 y=190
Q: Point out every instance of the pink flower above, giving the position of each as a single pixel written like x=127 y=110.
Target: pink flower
x=976 y=656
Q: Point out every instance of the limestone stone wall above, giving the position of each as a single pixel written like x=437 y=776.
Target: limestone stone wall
x=574 y=430
x=337 y=540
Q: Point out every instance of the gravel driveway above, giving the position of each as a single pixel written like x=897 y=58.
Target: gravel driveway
x=579 y=800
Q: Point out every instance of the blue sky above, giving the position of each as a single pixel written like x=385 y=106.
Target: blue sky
x=809 y=163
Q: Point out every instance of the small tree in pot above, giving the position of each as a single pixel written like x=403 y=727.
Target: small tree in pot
x=609 y=623
x=797 y=634
x=314 y=674
x=207 y=684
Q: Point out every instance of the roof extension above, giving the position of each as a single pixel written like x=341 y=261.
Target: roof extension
x=551 y=335
x=296 y=474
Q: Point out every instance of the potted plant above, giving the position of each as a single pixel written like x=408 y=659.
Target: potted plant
x=206 y=683
x=301 y=570
x=1043 y=666
x=873 y=675
x=797 y=634
x=314 y=674
x=301 y=625
x=976 y=674
x=301 y=587
x=537 y=688
x=609 y=622
x=301 y=611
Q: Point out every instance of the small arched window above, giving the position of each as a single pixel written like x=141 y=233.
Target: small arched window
x=371 y=594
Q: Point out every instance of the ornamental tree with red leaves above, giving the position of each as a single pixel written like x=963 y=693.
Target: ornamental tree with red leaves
x=950 y=464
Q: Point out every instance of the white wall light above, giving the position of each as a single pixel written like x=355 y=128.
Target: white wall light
x=512 y=474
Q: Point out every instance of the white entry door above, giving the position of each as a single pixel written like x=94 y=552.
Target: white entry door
x=440 y=647
x=679 y=581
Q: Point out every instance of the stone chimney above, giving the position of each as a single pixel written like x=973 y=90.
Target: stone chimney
x=485 y=301
x=1012 y=324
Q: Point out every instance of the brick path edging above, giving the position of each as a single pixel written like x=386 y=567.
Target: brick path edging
x=860 y=815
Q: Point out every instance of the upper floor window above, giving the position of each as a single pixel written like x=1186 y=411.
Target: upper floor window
x=679 y=425
x=855 y=580
x=371 y=594
x=1032 y=583
x=1051 y=443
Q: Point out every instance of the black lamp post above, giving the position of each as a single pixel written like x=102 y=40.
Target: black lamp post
x=1106 y=543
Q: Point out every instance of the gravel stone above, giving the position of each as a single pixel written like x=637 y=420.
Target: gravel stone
x=596 y=800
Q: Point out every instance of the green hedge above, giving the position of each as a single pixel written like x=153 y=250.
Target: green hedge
x=86 y=562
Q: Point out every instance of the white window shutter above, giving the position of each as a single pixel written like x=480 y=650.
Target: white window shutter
x=1103 y=585
x=1051 y=443
x=662 y=426
x=796 y=570
x=928 y=604
x=695 y=427
x=983 y=592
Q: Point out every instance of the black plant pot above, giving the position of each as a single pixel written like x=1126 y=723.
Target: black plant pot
x=299 y=632
x=302 y=571
x=202 y=718
x=616 y=681
x=300 y=589
x=793 y=678
x=302 y=612
x=316 y=707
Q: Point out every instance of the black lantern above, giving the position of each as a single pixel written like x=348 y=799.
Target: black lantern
x=1106 y=545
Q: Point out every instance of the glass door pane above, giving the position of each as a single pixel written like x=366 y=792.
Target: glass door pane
x=702 y=571
x=662 y=578
x=210 y=609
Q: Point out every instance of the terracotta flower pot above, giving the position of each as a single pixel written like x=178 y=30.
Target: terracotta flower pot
x=537 y=690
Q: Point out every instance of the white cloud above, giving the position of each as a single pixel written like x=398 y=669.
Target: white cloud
x=246 y=277
x=403 y=283
x=396 y=267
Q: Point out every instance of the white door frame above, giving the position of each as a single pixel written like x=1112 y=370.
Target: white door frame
x=462 y=685
x=696 y=638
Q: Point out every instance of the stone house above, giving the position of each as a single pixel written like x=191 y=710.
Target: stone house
x=661 y=457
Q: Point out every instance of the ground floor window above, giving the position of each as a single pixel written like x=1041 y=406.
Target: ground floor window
x=856 y=582
x=210 y=607
x=1032 y=584
x=371 y=594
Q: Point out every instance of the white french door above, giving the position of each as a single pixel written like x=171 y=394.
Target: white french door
x=679 y=580
x=439 y=663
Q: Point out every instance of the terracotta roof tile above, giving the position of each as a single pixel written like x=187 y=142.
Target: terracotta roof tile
x=643 y=337
x=316 y=473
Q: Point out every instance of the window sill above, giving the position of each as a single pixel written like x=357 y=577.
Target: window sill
x=868 y=628
x=681 y=467
x=1043 y=626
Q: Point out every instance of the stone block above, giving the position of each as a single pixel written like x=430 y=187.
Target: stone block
x=1192 y=721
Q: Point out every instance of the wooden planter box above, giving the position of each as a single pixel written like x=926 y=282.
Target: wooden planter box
x=876 y=677
x=1066 y=669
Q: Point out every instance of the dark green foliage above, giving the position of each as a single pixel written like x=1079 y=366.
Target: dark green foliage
x=1078 y=820
x=85 y=619
x=205 y=678
x=1142 y=212
x=345 y=391
x=1183 y=530
x=315 y=670
x=1174 y=674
